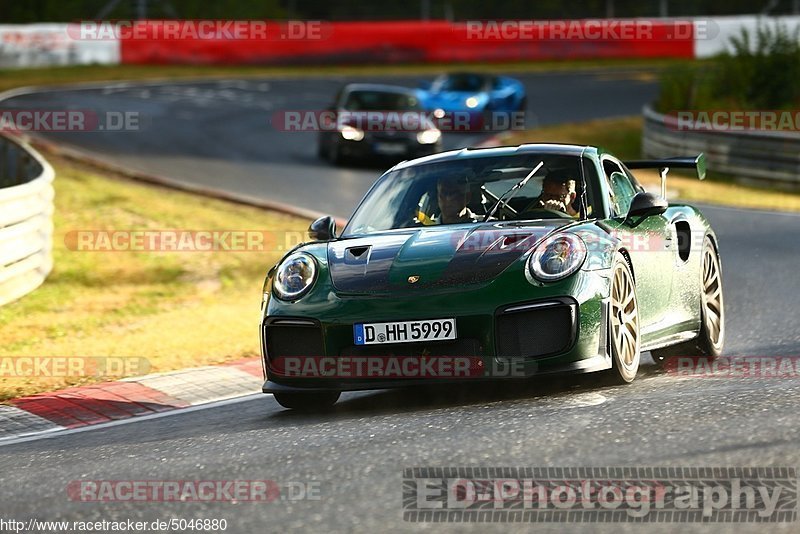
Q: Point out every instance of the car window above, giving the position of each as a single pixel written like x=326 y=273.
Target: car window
x=623 y=192
x=618 y=204
x=610 y=166
x=380 y=101
x=470 y=83
x=634 y=182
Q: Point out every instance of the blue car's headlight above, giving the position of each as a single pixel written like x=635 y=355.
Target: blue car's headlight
x=295 y=276
x=472 y=102
x=557 y=257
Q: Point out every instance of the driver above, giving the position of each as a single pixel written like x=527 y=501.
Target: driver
x=558 y=193
x=453 y=194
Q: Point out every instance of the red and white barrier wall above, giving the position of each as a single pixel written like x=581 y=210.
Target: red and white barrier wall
x=46 y=45
x=258 y=42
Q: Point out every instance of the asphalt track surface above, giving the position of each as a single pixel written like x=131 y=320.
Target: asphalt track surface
x=222 y=134
x=357 y=452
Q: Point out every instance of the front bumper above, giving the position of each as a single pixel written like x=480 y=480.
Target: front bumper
x=370 y=148
x=505 y=340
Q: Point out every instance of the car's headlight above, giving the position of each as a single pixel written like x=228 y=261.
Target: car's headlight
x=294 y=276
x=557 y=257
x=472 y=102
x=429 y=137
x=352 y=134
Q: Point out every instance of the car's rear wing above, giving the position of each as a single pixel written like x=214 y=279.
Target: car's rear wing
x=664 y=165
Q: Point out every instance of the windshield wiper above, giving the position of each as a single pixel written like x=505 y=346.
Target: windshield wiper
x=511 y=192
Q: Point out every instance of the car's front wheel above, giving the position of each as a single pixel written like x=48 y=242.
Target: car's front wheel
x=711 y=337
x=624 y=327
x=307 y=400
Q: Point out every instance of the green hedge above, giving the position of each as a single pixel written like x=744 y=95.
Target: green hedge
x=763 y=72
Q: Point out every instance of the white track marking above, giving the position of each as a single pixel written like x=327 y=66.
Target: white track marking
x=51 y=434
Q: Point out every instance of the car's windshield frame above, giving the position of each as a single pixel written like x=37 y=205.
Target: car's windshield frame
x=588 y=202
x=441 y=83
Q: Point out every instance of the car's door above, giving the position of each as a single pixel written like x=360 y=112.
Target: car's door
x=650 y=244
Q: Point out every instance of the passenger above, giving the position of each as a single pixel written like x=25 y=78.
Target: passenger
x=558 y=194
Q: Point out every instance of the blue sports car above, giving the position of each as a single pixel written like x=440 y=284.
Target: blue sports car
x=477 y=100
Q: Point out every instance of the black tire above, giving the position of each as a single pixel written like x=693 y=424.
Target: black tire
x=624 y=341
x=708 y=343
x=307 y=401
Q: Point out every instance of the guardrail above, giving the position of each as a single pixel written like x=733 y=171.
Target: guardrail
x=26 y=219
x=764 y=155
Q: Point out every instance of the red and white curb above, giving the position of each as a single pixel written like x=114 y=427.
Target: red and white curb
x=128 y=398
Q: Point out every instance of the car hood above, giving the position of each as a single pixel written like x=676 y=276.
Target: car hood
x=432 y=257
x=453 y=100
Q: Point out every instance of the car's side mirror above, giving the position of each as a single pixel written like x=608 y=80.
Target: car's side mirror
x=646 y=205
x=323 y=229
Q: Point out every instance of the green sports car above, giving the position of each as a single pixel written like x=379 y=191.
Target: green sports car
x=493 y=264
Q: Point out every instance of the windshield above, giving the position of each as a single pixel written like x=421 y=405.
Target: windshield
x=381 y=101
x=470 y=83
x=518 y=187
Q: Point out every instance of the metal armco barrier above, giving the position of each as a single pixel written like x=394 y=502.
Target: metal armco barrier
x=26 y=219
x=765 y=155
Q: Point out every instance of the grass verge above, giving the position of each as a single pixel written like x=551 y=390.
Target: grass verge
x=623 y=137
x=10 y=79
x=176 y=309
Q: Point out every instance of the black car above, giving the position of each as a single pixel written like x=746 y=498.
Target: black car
x=371 y=121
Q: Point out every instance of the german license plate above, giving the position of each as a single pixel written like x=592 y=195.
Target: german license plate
x=390 y=148
x=404 y=331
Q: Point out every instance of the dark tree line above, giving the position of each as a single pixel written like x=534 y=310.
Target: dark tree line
x=24 y=11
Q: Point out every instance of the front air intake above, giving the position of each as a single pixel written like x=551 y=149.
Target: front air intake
x=536 y=330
